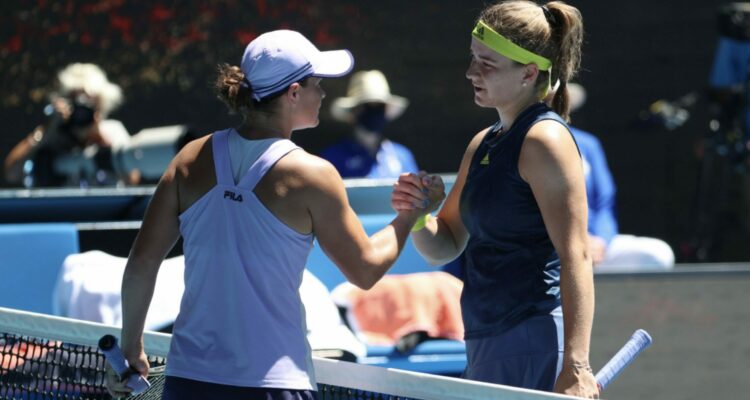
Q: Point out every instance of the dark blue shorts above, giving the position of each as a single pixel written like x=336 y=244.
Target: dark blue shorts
x=187 y=389
x=529 y=355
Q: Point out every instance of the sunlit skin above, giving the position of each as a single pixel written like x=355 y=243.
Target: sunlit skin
x=500 y=82
x=311 y=97
x=549 y=162
x=301 y=112
x=303 y=191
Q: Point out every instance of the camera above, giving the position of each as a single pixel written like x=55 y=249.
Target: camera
x=667 y=114
x=82 y=114
x=82 y=110
x=149 y=152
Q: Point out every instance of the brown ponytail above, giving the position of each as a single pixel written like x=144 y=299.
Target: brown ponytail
x=232 y=88
x=555 y=33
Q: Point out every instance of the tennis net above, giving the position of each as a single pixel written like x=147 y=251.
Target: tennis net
x=45 y=357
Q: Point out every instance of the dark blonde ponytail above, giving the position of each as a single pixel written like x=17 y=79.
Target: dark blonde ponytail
x=567 y=33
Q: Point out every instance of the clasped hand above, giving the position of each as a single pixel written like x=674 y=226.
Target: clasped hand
x=418 y=192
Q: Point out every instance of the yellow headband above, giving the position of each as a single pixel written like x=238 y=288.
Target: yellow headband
x=505 y=47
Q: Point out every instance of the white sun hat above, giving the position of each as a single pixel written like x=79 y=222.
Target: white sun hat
x=92 y=80
x=368 y=87
x=275 y=60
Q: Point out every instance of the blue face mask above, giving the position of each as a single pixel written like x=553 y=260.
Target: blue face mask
x=372 y=117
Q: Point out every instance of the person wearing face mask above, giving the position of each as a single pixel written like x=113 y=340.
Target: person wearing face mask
x=369 y=106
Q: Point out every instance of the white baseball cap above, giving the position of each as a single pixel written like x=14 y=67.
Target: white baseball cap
x=275 y=60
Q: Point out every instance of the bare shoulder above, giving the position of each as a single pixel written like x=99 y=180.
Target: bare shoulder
x=192 y=151
x=304 y=170
x=191 y=172
x=548 y=150
x=548 y=134
x=193 y=157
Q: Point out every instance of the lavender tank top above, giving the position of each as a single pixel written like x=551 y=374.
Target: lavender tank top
x=241 y=320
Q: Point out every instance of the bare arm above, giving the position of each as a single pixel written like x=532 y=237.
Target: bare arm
x=157 y=236
x=20 y=153
x=24 y=150
x=550 y=163
x=362 y=259
x=443 y=238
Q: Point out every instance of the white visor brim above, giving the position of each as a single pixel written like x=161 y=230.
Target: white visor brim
x=332 y=64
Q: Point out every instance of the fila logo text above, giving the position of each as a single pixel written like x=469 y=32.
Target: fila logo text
x=232 y=196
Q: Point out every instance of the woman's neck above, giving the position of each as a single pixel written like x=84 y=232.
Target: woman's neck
x=264 y=126
x=508 y=114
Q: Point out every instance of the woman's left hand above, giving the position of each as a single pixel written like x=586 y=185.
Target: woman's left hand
x=418 y=191
x=577 y=381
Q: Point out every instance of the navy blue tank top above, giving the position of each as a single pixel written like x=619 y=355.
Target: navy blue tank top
x=512 y=271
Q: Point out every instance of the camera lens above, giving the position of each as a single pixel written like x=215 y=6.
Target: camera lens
x=82 y=115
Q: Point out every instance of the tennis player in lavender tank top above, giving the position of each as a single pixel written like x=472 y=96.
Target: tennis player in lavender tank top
x=248 y=202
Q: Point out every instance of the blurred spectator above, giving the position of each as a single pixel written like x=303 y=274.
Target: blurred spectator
x=730 y=73
x=609 y=249
x=73 y=147
x=88 y=288
x=368 y=107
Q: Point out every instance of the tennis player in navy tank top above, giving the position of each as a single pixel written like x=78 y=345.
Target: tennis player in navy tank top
x=506 y=236
x=517 y=210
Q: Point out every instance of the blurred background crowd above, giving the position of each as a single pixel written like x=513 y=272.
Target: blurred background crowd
x=668 y=112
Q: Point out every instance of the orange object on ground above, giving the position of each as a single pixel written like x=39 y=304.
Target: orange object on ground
x=401 y=304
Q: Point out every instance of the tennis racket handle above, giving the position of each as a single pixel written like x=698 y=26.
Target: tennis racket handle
x=637 y=343
x=113 y=354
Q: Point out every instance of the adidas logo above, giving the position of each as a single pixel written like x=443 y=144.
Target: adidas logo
x=485 y=160
x=479 y=32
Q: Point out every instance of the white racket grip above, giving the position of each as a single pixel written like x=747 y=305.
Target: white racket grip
x=113 y=354
x=639 y=341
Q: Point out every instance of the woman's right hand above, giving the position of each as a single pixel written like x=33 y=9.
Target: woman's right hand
x=116 y=385
x=418 y=192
